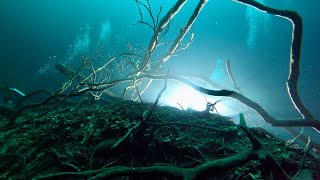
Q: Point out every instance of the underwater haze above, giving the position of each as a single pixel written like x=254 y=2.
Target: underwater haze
x=36 y=34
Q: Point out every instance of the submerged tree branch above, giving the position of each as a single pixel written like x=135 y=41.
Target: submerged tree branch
x=295 y=49
x=154 y=40
x=183 y=32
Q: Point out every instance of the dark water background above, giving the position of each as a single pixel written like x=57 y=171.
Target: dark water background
x=34 y=32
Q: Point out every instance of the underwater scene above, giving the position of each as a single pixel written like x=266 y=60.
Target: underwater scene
x=159 y=89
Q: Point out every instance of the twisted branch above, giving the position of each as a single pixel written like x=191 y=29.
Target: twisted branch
x=294 y=65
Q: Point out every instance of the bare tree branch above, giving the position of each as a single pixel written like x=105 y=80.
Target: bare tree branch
x=294 y=68
x=183 y=32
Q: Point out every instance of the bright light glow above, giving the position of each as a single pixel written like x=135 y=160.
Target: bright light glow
x=189 y=98
x=230 y=107
x=186 y=97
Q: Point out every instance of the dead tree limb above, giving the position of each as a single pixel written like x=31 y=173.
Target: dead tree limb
x=295 y=49
x=203 y=170
x=183 y=32
x=161 y=26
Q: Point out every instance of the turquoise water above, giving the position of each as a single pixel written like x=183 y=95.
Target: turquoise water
x=36 y=34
